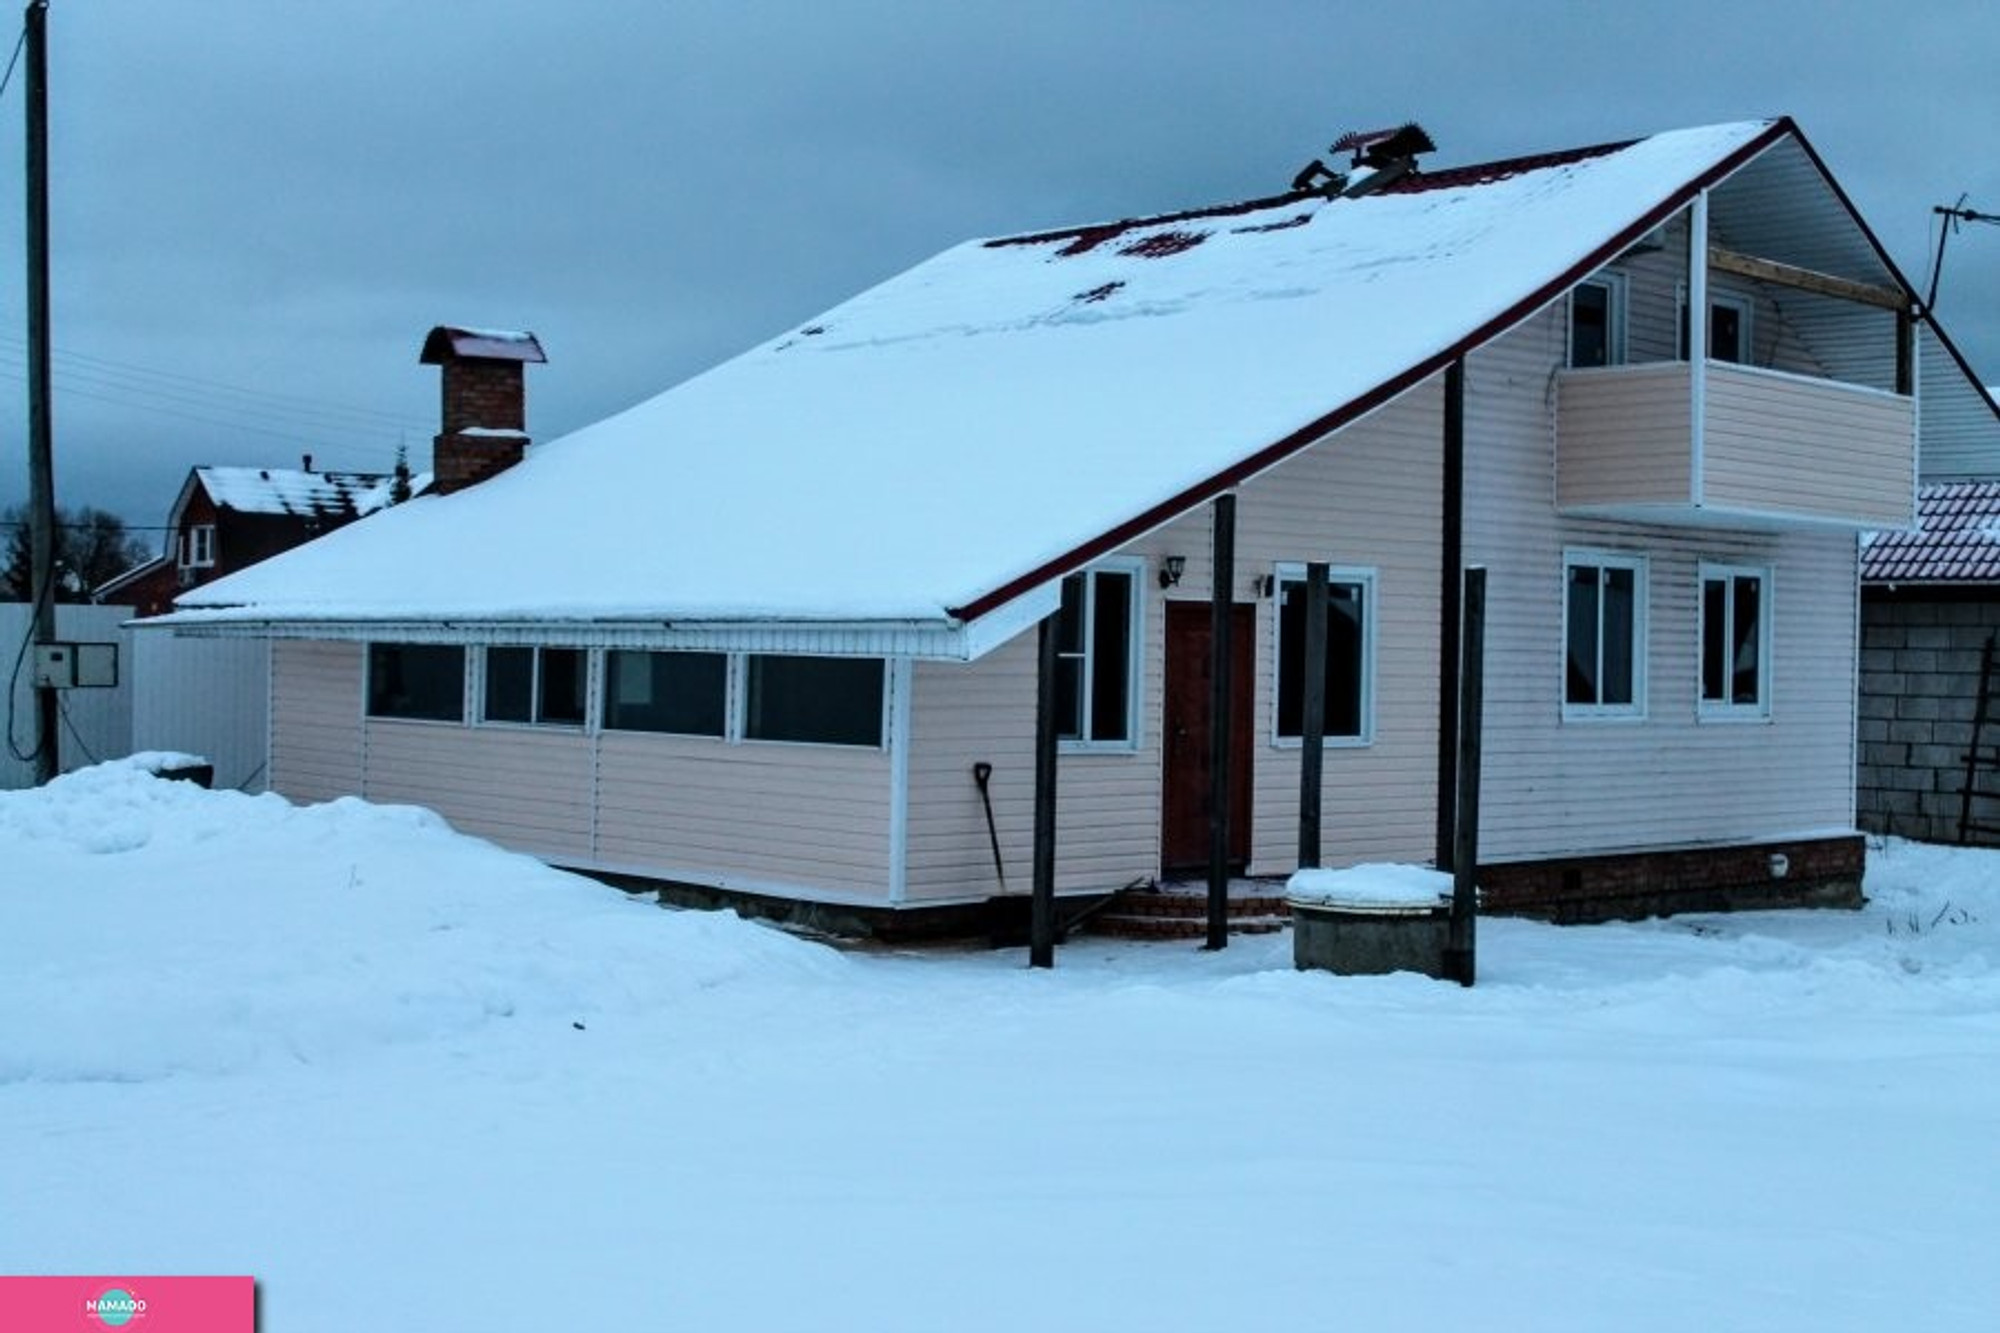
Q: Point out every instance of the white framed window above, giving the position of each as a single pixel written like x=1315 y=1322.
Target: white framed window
x=1735 y=642
x=423 y=682
x=1604 y=635
x=814 y=700
x=675 y=693
x=198 y=546
x=1350 y=656
x=1728 y=326
x=1597 y=321
x=537 y=686
x=1097 y=657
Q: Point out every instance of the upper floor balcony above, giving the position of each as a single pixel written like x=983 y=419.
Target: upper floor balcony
x=1734 y=444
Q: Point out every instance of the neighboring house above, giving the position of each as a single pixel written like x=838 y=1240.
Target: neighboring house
x=754 y=635
x=229 y=518
x=1930 y=603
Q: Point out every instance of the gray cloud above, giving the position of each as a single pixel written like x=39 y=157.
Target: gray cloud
x=284 y=197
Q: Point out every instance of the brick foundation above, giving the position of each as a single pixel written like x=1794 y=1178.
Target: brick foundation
x=1818 y=872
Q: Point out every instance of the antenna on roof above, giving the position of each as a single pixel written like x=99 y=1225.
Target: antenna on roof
x=1952 y=216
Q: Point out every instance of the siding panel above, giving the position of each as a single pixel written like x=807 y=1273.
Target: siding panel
x=1554 y=788
x=316 y=736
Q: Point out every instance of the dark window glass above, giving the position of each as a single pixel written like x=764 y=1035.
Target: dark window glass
x=1725 y=333
x=411 y=680
x=1745 y=670
x=1732 y=624
x=1590 y=325
x=681 y=693
x=1345 y=648
x=1620 y=626
x=1581 y=678
x=510 y=684
x=564 y=679
x=1111 y=656
x=828 y=700
x=1714 y=619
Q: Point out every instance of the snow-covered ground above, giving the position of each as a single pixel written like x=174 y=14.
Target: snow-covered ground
x=409 y=1081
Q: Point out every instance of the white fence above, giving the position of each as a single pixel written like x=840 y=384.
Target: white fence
x=209 y=697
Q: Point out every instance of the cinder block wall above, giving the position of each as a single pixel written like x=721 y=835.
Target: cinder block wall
x=1920 y=660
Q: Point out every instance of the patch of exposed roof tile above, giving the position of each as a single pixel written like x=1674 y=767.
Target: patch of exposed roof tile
x=1957 y=539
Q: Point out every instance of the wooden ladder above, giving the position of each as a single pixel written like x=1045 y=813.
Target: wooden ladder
x=1981 y=756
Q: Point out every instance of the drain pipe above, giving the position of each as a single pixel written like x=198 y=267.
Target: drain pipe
x=982 y=773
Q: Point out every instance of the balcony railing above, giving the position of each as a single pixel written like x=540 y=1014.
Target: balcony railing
x=1769 y=448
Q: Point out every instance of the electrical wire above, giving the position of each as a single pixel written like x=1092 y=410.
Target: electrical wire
x=14 y=59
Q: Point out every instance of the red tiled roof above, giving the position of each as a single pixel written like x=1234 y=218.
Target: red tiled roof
x=1957 y=539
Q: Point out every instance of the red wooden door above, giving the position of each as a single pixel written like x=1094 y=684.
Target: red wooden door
x=1184 y=803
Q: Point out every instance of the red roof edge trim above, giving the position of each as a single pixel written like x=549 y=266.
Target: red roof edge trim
x=1279 y=450
x=1485 y=173
x=1089 y=237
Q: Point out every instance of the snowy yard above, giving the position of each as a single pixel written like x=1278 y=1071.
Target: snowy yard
x=409 y=1081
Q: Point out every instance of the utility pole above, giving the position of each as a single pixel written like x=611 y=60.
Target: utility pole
x=41 y=467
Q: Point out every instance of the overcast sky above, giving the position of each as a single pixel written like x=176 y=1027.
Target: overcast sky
x=283 y=197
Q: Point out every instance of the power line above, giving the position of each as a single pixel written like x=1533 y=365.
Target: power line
x=89 y=384
x=108 y=368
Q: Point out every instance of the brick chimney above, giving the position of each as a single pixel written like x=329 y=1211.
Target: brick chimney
x=483 y=430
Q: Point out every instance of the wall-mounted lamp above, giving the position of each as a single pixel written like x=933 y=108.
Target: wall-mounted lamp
x=1171 y=569
x=1264 y=585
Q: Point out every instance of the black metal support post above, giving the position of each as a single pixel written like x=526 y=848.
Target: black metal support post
x=1906 y=353
x=1312 y=749
x=41 y=465
x=1451 y=549
x=1460 y=955
x=1222 y=595
x=1042 y=907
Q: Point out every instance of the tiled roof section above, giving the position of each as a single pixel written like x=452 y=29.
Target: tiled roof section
x=276 y=490
x=1957 y=539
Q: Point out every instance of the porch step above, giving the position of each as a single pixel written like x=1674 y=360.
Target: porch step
x=1180 y=912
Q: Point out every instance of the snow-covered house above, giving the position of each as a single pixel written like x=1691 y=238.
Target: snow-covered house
x=755 y=634
x=228 y=518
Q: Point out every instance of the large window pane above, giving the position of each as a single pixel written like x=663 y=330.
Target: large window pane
x=1590 y=325
x=826 y=700
x=679 y=693
x=424 y=681
x=1111 y=656
x=563 y=681
x=510 y=684
x=1714 y=633
x=1746 y=643
x=1346 y=610
x=1620 y=625
x=1581 y=677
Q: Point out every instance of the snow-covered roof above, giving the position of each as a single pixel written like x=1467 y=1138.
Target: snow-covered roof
x=956 y=437
x=280 y=490
x=480 y=344
x=1956 y=541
